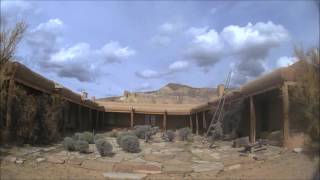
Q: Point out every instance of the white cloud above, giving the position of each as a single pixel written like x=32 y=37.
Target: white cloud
x=197 y=31
x=148 y=74
x=43 y=40
x=78 y=61
x=52 y=25
x=206 y=47
x=175 y=67
x=113 y=52
x=248 y=45
x=170 y=27
x=178 y=66
x=286 y=61
x=11 y=11
x=254 y=40
x=83 y=63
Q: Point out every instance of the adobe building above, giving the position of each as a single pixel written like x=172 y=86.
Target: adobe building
x=264 y=101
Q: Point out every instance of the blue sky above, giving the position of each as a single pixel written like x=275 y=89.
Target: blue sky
x=107 y=47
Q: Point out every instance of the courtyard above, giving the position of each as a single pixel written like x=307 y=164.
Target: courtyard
x=158 y=159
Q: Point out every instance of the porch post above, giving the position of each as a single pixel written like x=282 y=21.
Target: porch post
x=252 y=121
x=165 y=120
x=131 y=117
x=97 y=120
x=9 y=103
x=204 y=120
x=90 y=119
x=191 y=124
x=286 y=120
x=79 y=117
x=197 y=124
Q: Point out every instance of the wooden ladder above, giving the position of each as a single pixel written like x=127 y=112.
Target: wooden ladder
x=217 y=114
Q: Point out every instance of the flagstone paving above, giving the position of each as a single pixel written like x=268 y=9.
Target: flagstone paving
x=157 y=160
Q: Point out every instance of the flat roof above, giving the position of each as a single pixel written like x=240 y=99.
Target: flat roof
x=170 y=109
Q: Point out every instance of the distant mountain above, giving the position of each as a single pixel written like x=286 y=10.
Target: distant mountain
x=171 y=93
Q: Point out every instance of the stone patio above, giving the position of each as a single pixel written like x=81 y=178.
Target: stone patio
x=157 y=159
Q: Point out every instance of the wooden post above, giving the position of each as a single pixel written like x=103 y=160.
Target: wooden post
x=191 y=124
x=103 y=120
x=79 y=117
x=197 y=124
x=65 y=117
x=9 y=103
x=204 y=120
x=252 y=121
x=131 y=117
x=286 y=124
x=90 y=124
x=165 y=120
x=97 y=121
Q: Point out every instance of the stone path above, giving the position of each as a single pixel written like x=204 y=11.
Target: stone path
x=164 y=160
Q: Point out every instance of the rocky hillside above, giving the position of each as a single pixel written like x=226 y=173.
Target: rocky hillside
x=170 y=94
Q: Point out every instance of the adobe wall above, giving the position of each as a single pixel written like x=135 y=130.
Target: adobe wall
x=122 y=120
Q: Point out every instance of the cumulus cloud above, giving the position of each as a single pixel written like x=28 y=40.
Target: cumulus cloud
x=82 y=62
x=254 y=41
x=11 y=11
x=165 y=32
x=286 y=61
x=79 y=61
x=169 y=27
x=178 y=66
x=249 y=45
x=206 y=47
x=148 y=74
x=43 y=40
x=114 y=52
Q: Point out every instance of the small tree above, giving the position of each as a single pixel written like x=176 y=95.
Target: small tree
x=9 y=39
x=306 y=92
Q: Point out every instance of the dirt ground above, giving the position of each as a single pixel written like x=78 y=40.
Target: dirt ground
x=158 y=160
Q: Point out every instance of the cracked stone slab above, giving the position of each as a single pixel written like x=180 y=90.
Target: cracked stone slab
x=158 y=157
x=118 y=175
x=137 y=168
x=56 y=160
x=75 y=161
x=176 y=166
x=97 y=165
x=233 y=167
x=203 y=166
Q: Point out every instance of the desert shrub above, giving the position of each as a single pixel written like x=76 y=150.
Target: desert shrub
x=112 y=133
x=85 y=136
x=211 y=140
x=81 y=146
x=184 y=133
x=98 y=136
x=217 y=131
x=104 y=147
x=121 y=135
x=69 y=144
x=169 y=135
x=130 y=144
x=142 y=130
x=76 y=136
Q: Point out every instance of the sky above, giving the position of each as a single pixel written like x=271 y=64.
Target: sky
x=107 y=47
